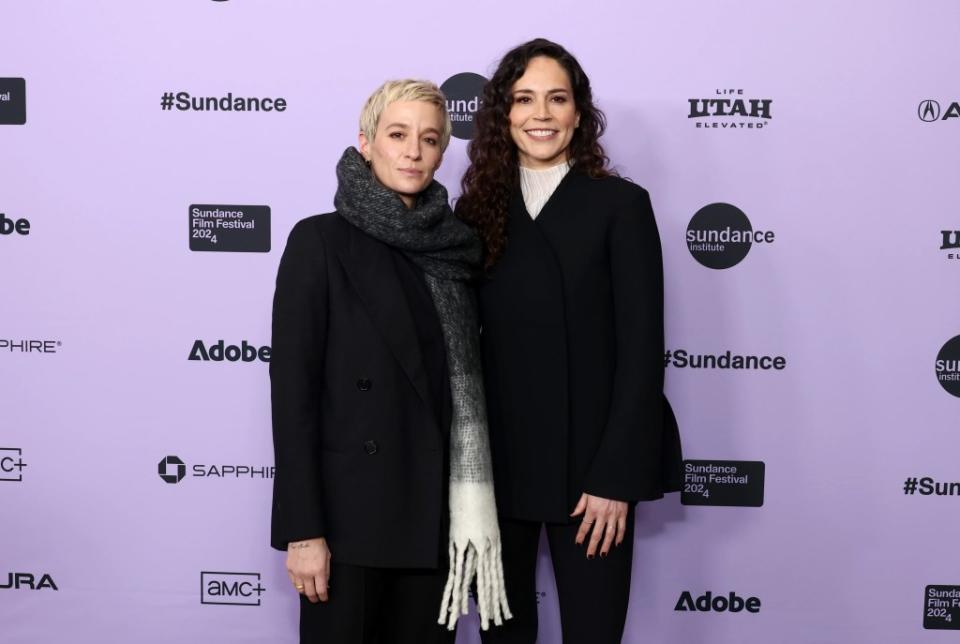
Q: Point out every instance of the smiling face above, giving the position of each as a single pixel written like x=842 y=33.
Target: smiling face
x=543 y=115
x=406 y=149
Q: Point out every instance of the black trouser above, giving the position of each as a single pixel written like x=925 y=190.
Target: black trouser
x=377 y=606
x=593 y=593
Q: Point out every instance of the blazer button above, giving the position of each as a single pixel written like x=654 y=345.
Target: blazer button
x=364 y=384
x=370 y=447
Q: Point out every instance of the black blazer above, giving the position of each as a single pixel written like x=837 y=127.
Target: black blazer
x=360 y=458
x=572 y=339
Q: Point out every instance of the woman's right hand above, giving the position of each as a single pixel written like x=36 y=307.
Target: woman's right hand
x=308 y=565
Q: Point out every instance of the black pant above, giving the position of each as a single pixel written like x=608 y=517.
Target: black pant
x=593 y=593
x=377 y=606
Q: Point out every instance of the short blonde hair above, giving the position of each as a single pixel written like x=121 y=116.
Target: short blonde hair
x=403 y=90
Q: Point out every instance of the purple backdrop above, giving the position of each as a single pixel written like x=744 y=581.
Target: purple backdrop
x=854 y=292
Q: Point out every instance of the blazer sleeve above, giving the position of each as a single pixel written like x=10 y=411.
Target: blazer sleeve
x=627 y=466
x=297 y=353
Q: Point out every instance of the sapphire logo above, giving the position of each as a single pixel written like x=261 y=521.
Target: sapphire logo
x=11 y=464
x=29 y=346
x=171 y=469
x=231 y=588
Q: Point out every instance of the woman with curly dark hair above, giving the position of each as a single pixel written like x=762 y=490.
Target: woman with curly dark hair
x=572 y=319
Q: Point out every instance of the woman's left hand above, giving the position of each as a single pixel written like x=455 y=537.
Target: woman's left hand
x=606 y=517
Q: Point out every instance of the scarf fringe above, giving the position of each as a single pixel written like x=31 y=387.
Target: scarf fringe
x=468 y=563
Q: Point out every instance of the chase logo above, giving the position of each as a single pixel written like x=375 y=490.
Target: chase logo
x=231 y=588
x=171 y=469
x=13 y=101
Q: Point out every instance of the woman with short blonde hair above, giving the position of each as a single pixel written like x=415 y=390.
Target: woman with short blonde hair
x=383 y=495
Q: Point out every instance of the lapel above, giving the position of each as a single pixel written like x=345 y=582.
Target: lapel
x=371 y=271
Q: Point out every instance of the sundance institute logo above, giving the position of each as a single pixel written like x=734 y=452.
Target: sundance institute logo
x=720 y=235
x=464 y=94
x=948 y=366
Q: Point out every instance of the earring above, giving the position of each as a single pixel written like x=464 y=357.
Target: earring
x=367 y=161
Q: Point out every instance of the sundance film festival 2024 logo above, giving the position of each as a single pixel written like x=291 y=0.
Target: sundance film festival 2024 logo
x=723 y=483
x=720 y=235
x=941 y=607
x=464 y=95
x=729 y=109
x=13 y=101
x=948 y=366
x=230 y=229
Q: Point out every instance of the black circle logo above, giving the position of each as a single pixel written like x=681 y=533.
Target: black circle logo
x=948 y=366
x=929 y=110
x=719 y=235
x=464 y=94
x=172 y=469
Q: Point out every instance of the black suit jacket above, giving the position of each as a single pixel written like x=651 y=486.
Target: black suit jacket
x=360 y=458
x=572 y=338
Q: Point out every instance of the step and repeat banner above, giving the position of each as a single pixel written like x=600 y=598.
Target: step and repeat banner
x=802 y=159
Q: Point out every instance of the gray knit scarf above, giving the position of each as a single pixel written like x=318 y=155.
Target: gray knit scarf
x=449 y=252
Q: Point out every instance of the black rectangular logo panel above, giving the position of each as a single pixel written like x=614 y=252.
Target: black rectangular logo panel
x=723 y=483
x=229 y=229
x=13 y=101
x=941 y=608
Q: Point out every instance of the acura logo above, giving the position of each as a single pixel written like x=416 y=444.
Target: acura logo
x=929 y=110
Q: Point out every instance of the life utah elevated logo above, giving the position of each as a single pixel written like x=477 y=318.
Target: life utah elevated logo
x=730 y=109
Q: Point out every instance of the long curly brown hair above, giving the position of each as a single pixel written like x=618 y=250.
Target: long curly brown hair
x=494 y=176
